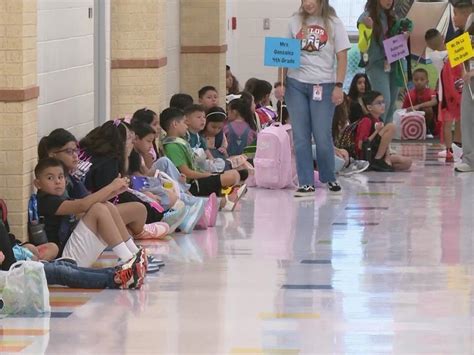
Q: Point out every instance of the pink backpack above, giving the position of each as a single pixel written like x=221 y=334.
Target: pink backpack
x=274 y=164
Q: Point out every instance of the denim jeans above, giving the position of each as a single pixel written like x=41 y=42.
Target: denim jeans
x=311 y=119
x=60 y=272
x=339 y=162
x=166 y=165
x=385 y=83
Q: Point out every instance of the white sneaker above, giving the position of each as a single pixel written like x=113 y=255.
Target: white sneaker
x=442 y=154
x=429 y=136
x=457 y=151
x=463 y=168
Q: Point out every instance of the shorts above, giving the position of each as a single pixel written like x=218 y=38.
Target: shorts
x=206 y=186
x=84 y=246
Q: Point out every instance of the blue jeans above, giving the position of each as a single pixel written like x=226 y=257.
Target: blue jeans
x=310 y=119
x=339 y=163
x=385 y=83
x=166 y=165
x=64 y=273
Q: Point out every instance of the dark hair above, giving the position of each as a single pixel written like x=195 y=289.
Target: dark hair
x=369 y=97
x=46 y=163
x=374 y=10
x=142 y=129
x=461 y=4
x=205 y=89
x=285 y=115
x=277 y=84
x=55 y=140
x=340 y=117
x=262 y=89
x=243 y=108
x=170 y=115
x=234 y=89
x=247 y=97
x=108 y=140
x=431 y=33
x=421 y=70
x=353 y=92
x=193 y=108
x=181 y=101
x=250 y=85
x=143 y=115
x=227 y=67
x=215 y=114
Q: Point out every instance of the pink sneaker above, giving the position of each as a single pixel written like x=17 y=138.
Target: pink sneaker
x=203 y=222
x=211 y=210
x=157 y=230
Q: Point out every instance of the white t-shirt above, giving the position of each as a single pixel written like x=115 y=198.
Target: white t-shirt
x=438 y=58
x=318 y=49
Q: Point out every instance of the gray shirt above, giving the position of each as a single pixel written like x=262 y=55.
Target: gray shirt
x=318 y=48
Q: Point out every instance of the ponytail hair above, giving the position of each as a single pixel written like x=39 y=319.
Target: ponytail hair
x=55 y=140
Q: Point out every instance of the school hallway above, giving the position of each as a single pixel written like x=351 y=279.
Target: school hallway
x=384 y=268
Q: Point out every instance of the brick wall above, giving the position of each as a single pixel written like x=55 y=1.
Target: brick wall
x=18 y=108
x=138 y=55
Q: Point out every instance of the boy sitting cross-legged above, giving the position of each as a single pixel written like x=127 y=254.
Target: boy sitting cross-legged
x=178 y=150
x=83 y=228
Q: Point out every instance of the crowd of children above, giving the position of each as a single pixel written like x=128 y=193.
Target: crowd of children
x=153 y=174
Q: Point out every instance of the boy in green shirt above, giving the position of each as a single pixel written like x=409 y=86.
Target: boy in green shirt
x=178 y=150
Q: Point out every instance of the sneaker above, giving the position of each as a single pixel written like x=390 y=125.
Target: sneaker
x=463 y=168
x=442 y=154
x=457 y=151
x=233 y=198
x=193 y=215
x=174 y=217
x=381 y=166
x=355 y=167
x=212 y=208
x=449 y=157
x=157 y=230
x=305 y=190
x=154 y=264
x=429 y=136
x=130 y=273
x=334 y=186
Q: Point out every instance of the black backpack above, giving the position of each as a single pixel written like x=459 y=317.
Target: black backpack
x=347 y=139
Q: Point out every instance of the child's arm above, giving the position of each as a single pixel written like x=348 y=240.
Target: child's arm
x=192 y=174
x=82 y=205
x=209 y=154
x=432 y=103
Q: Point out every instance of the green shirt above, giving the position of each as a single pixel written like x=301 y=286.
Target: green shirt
x=179 y=152
x=196 y=141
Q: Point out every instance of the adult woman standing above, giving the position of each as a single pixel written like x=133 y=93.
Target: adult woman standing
x=313 y=89
x=374 y=27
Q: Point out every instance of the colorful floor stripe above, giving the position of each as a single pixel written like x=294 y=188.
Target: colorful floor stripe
x=23 y=331
x=13 y=346
x=58 y=301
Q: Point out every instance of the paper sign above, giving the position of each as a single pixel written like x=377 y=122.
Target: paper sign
x=282 y=52
x=396 y=48
x=459 y=49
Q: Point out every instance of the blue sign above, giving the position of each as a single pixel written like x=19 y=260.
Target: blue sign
x=282 y=52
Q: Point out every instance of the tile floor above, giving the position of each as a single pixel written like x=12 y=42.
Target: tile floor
x=386 y=268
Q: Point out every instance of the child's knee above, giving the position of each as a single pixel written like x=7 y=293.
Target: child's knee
x=99 y=209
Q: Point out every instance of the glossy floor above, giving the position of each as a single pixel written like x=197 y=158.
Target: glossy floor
x=385 y=268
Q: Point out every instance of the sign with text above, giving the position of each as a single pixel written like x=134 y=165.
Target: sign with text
x=459 y=49
x=282 y=52
x=396 y=48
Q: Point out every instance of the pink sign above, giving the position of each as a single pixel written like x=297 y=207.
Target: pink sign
x=396 y=48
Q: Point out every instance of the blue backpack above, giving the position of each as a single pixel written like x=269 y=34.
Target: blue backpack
x=236 y=143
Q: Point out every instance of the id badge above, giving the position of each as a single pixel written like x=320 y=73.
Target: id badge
x=317 y=93
x=386 y=67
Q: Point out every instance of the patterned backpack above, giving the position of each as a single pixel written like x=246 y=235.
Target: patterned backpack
x=347 y=139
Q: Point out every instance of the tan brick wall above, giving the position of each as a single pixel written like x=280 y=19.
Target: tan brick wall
x=203 y=24
x=138 y=31
x=18 y=120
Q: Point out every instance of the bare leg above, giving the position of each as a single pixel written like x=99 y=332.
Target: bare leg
x=100 y=222
x=133 y=215
x=230 y=178
x=48 y=251
x=118 y=221
x=400 y=163
x=386 y=133
x=448 y=134
x=457 y=132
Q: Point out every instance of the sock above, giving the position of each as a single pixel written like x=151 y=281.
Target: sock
x=122 y=251
x=131 y=246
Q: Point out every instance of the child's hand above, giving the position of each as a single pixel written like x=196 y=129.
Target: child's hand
x=182 y=178
x=378 y=126
x=468 y=76
x=2 y=257
x=222 y=150
x=368 y=22
x=459 y=84
x=120 y=185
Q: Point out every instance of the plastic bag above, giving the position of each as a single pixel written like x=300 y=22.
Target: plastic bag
x=26 y=289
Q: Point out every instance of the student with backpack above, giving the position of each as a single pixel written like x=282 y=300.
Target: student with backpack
x=240 y=130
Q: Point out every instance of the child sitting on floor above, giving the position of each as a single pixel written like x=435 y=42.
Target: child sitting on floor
x=180 y=153
x=240 y=129
x=378 y=136
x=208 y=97
x=84 y=228
x=423 y=99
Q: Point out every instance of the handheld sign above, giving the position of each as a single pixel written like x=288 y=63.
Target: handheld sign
x=459 y=49
x=282 y=52
x=396 y=48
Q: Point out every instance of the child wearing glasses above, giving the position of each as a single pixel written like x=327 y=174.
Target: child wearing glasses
x=378 y=136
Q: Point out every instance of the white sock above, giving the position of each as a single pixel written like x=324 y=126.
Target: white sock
x=131 y=245
x=122 y=251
